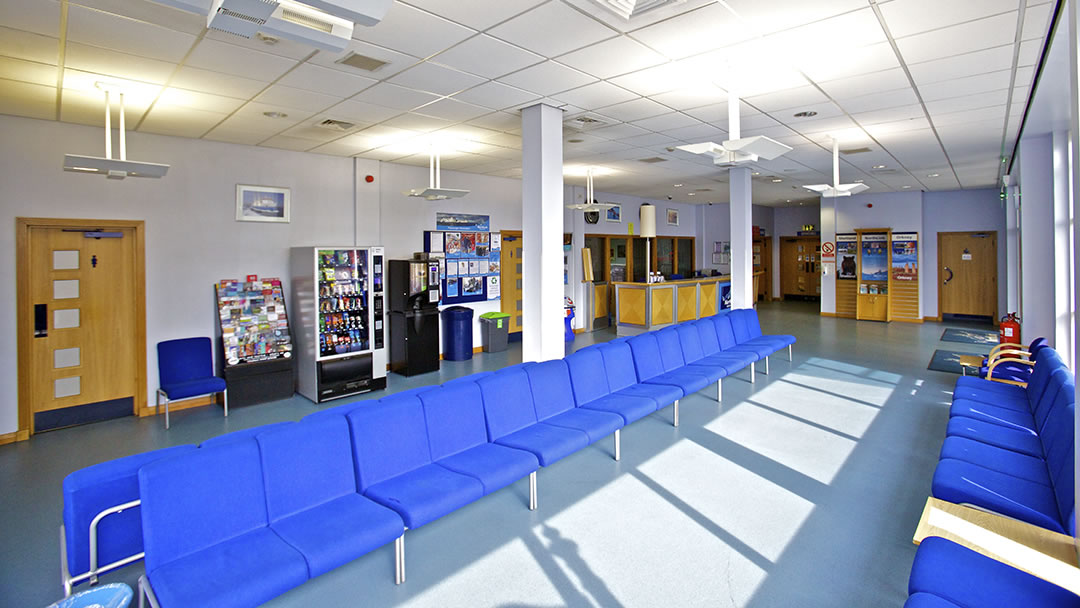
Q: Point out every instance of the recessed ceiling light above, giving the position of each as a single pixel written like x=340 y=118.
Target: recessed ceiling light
x=756 y=173
x=678 y=185
x=934 y=175
x=879 y=166
x=690 y=194
x=777 y=180
x=859 y=181
x=906 y=187
x=265 y=39
x=275 y=114
x=789 y=200
x=806 y=114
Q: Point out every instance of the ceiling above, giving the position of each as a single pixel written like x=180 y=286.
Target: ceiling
x=935 y=89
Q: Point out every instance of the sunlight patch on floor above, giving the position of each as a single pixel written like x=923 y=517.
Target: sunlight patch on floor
x=828 y=410
x=859 y=390
x=759 y=512
x=856 y=370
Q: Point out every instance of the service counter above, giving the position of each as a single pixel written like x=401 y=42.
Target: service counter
x=642 y=307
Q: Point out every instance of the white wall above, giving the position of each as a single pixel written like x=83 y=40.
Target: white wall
x=1037 y=238
x=790 y=220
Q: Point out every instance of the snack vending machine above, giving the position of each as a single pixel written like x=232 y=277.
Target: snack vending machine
x=338 y=303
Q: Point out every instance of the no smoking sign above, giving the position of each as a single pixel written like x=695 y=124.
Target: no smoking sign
x=828 y=250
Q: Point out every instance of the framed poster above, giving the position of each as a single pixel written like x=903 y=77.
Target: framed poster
x=875 y=256
x=905 y=256
x=614 y=213
x=672 y=217
x=846 y=250
x=262 y=204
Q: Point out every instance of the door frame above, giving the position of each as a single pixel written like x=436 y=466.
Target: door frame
x=940 y=313
x=24 y=323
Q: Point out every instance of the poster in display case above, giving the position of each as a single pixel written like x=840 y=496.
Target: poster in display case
x=473 y=257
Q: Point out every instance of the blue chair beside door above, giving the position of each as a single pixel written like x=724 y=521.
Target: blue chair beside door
x=186 y=369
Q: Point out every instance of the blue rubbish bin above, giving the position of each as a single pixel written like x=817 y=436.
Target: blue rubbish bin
x=457 y=333
x=569 y=321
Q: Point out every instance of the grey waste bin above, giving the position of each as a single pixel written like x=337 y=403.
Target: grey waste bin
x=494 y=331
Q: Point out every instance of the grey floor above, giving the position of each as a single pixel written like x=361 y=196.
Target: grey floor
x=800 y=490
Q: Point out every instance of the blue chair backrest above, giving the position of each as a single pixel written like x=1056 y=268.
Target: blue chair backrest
x=1059 y=443
x=454 y=413
x=587 y=375
x=1036 y=345
x=90 y=491
x=671 y=356
x=552 y=390
x=739 y=326
x=1047 y=362
x=724 y=333
x=389 y=438
x=619 y=365
x=647 y=360
x=199 y=499
x=184 y=359
x=690 y=342
x=706 y=329
x=306 y=465
x=508 y=402
x=242 y=434
x=753 y=323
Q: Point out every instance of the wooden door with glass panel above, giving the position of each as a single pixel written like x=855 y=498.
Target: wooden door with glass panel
x=510 y=276
x=967 y=273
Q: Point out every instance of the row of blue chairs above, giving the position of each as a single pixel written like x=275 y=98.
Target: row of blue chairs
x=253 y=513
x=1008 y=450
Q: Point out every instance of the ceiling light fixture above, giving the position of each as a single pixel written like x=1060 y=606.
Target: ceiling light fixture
x=777 y=180
x=906 y=187
x=738 y=149
x=690 y=194
x=859 y=181
x=806 y=114
x=110 y=167
x=879 y=166
x=678 y=185
x=756 y=173
x=435 y=191
x=590 y=204
x=275 y=114
x=837 y=189
x=934 y=175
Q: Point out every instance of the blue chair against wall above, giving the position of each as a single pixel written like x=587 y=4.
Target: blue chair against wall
x=553 y=400
x=186 y=369
x=623 y=379
x=592 y=391
x=1011 y=361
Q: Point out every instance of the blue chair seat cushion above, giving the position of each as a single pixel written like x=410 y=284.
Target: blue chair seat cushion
x=978 y=389
x=247 y=570
x=732 y=360
x=998 y=459
x=193 y=388
x=339 y=531
x=758 y=351
x=547 y=442
x=928 y=600
x=773 y=342
x=425 y=494
x=1018 y=440
x=712 y=370
x=596 y=425
x=686 y=379
x=629 y=407
x=963 y=482
x=785 y=339
x=1016 y=372
x=494 y=466
x=966 y=578
x=994 y=414
x=663 y=394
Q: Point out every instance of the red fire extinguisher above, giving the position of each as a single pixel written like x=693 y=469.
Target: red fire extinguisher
x=1009 y=330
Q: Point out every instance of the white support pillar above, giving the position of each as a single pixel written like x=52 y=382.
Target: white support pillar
x=1063 y=249
x=828 y=268
x=542 y=233
x=1012 y=251
x=1036 y=238
x=1070 y=29
x=742 y=257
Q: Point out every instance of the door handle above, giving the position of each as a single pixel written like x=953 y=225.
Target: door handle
x=948 y=270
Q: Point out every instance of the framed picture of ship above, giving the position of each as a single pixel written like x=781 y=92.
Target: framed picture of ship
x=262 y=204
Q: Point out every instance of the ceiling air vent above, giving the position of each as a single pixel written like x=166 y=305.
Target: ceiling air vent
x=362 y=62
x=585 y=122
x=335 y=125
x=628 y=9
x=652 y=160
x=855 y=150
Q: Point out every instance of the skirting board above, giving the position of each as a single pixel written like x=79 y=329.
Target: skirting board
x=936 y=319
x=176 y=406
x=7 y=438
x=829 y=314
x=918 y=321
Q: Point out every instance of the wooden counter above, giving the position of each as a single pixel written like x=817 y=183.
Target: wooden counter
x=642 y=307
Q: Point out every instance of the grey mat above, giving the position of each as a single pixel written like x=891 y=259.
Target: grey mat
x=970 y=336
x=949 y=361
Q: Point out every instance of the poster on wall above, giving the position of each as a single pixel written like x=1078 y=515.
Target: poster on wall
x=462 y=222
x=875 y=255
x=905 y=256
x=725 y=296
x=494 y=290
x=453 y=244
x=846 y=250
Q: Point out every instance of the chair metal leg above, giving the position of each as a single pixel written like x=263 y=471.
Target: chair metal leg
x=157 y=406
x=719 y=390
x=399 y=559
x=532 y=491
x=752 y=372
x=789 y=352
x=618 y=454
x=676 y=411
x=225 y=399
x=766 y=366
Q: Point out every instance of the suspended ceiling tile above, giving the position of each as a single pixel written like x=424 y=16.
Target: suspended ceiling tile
x=777 y=15
x=488 y=57
x=359 y=111
x=254 y=114
x=237 y=134
x=791 y=98
x=835 y=124
x=136 y=93
x=870 y=58
x=29 y=100
x=393 y=96
x=298 y=99
x=38 y=16
x=436 y=79
x=413 y=32
x=232 y=59
x=666 y=122
x=395 y=61
x=863 y=84
x=690 y=98
x=497 y=96
x=152 y=12
x=178 y=99
x=179 y=122
x=282 y=47
x=889 y=115
x=500 y=121
x=1025 y=75
x=310 y=131
x=693 y=32
x=757 y=121
x=547 y=78
x=972 y=85
x=821 y=111
x=697 y=133
x=1030 y=51
x=618 y=132
x=552 y=29
x=968 y=102
x=320 y=79
x=477 y=14
x=88 y=108
x=197 y=79
x=453 y=110
x=18 y=44
x=138 y=38
x=961 y=66
x=28 y=71
x=596 y=95
x=880 y=101
x=907 y=17
x=958 y=39
x=883 y=129
x=284 y=142
x=417 y=122
x=613 y=57
x=93 y=59
x=1037 y=21
x=382 y=154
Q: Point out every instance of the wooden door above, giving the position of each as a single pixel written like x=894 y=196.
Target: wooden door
x=800 y=263
x=765 y=283
x=510 y=277
x=82 y=336
x=967 y=273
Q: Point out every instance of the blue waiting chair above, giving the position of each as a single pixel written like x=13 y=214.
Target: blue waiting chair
x=186 y=369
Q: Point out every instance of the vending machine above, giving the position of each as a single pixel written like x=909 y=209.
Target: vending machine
x=414 y=316
x=338 y=308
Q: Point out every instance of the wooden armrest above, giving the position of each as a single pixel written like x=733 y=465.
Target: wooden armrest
x=1010 y=347
x=990 y=372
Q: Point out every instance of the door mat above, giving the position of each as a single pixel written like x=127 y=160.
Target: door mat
x=949 y=361
x=970 y=336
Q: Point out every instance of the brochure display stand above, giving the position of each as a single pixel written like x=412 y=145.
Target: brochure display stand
x=255 y=340
x=904 y=278
x=847 y=274
x=875 y=261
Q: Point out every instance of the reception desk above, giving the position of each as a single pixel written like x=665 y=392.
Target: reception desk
x=642 y=307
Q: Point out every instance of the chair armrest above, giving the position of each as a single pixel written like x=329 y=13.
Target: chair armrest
x=990 y=372
x=1010 y=347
